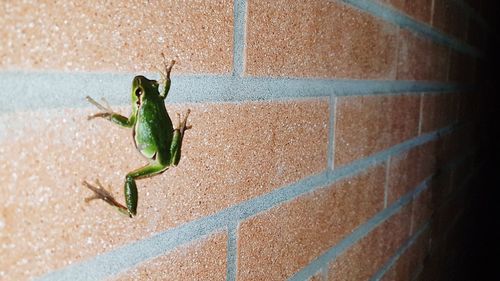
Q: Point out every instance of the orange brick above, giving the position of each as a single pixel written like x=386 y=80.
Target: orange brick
x=365 y=125
x=460 y=173
x=438 y=111
x=116 y=35
x=421 y=59
x=363 y=260
x=439 y=56
x=407 y=264
x=408 y=169
x=453 y=145
x=423 y=208
x=468 y=107
x=420 y=9
x=450 y=18
x=476 y=36
x=328 y=39
x=276 y=244
x=462 y=68
x=413 y=57
x=440 y=188
x=234 y=152
x=201 y=260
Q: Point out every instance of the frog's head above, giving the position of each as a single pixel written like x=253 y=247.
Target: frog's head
x=142 y=89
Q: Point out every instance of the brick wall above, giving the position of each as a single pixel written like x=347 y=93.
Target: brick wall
x=331 y=140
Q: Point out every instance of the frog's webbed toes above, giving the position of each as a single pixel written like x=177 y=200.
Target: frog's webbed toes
x=182 y=125
x=107 y=111
x=99 y=192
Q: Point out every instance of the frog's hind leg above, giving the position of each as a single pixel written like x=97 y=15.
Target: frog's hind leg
x=175 y=147
x=131 y=194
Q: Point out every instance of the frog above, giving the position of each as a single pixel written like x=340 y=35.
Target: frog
x=153 y=133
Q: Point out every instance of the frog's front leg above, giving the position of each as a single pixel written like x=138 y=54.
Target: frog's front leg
x=130 y=188
x=109 y=114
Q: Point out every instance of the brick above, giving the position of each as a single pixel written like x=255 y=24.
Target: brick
x=474 y=4
x=234 y=152
x=413 y=57
x=365 y=125
x=455 y=144
x=116 y=35
x=440 y=186
x=423 y=208
x=438 y=111
x=410 y=261
x=276 y=244
x=420 y=10
x=328 y=39
x=468 y=106
x=439 y=56
x=364 y=259
x=460 y=173
x=450 y=18
x=201 y=260
x=408 y=169
x=476 y=35
x=421 y=59
x=462 y=68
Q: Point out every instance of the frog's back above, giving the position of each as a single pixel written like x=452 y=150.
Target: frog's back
x=153 y=130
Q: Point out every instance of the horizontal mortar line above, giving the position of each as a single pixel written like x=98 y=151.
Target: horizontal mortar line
x=129 y=255
x=37 y=90
x=358 y=234
x=398 y=18
x=392 y=261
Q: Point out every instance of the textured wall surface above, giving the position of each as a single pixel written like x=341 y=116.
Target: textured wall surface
x=330 y=140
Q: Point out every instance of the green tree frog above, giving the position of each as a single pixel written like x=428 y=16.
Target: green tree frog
x=153 y=133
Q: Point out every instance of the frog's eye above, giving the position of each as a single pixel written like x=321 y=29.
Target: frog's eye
x=138 y=92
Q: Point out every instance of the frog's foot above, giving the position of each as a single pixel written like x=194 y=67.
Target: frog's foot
x=107 y=111
x=103 y=194
x=165 y=76
x=182 y=125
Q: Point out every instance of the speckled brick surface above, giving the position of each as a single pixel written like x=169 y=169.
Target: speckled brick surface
x=423 y=208
x=373 y=250
x=203 y=260
x=367 y=124
x=439 y=111
x=445 y=15
x=116 y=35
x=410 y=261
x=277 y=243
x=408 y=169
x=421 y=59
x=413 y=60
x=233 y=152
x=328 y=39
